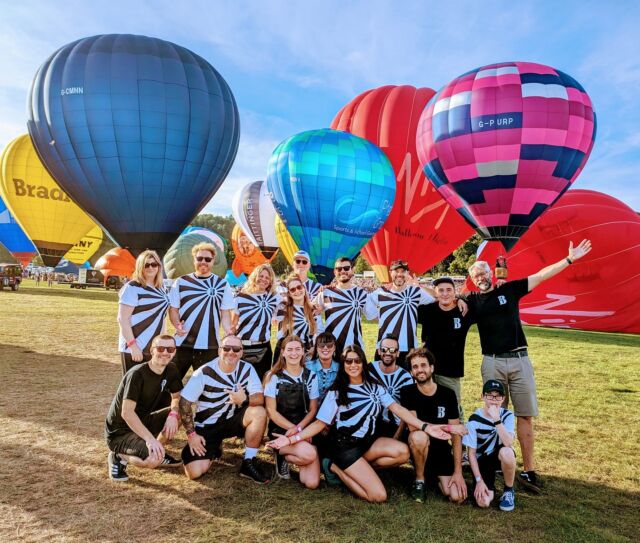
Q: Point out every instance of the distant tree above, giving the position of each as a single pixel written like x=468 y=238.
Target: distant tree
x=361 y=265
x=464 y=256
x=280 y=265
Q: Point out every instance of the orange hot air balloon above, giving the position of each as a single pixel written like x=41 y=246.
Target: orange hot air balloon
x=248 y=256
x=117 y=261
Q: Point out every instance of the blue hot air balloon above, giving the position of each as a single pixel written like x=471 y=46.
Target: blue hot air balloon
x=333 y=190
x=140 y=132
x=14 y=238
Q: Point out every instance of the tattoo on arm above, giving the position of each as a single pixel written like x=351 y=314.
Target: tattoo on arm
x=186 y=414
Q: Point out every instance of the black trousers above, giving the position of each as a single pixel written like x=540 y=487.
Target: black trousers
x=186 y=358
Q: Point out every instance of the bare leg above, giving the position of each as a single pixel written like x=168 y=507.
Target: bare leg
x=419 y=445
x=139 y=462
x=508 y=462
x=197 y=468
x=386 y=453
x=526 y=439
x=305 y=456
x=255 y=422
x=362 y=480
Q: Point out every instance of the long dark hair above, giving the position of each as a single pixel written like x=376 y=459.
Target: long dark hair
x=324 y=337
x=341 y=384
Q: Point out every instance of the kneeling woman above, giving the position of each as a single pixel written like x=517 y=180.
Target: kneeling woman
x=354 y=404
x=291 y=395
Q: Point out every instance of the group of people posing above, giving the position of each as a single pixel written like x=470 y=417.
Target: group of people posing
x=324 y=407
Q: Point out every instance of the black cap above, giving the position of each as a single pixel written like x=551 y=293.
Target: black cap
x=396 y=264
x=444 y=279
x=493 y=386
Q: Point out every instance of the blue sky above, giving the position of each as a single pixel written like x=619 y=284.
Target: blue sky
x=292 y=66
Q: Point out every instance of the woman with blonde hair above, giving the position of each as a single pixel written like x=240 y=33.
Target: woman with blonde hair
x=291 y=397
x=143 y=305
x=296 y=316
x=256 y=305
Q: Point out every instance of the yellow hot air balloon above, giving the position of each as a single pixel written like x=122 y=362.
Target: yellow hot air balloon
x=86 y=247
x=47 y=215
x=285 y=241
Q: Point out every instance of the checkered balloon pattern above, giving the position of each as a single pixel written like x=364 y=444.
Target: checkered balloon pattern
x=503 y=142
x=333 y=190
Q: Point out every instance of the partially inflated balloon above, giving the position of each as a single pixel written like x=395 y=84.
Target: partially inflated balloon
x=422 y=228
x=103 y=249
x=86 y=247
x=139 y=131
x=117 y=261
x=47 y=215
x=215 y=238
x=13 y=237
x=248 y=256
x=235 y=280
x=254 y=212
x=5 y=256
x=599 y=292
x=333 y=191
x=179 y=260
x=503 y=142
x=285 y=241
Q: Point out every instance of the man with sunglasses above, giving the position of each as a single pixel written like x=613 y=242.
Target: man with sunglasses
x=200 y=303
x=394 y=378
x=135 y=429
x=301 y=266
x=227 y=395
x=343 y=304
x=396 y=308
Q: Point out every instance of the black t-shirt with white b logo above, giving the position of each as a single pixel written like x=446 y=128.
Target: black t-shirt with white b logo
x=498 y=316
x=444 y=333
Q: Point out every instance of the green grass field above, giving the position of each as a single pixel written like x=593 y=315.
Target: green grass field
x=59 y=370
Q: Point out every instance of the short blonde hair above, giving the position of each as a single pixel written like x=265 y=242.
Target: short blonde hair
x=138 y=273
x=250 y=287
x=204 y=246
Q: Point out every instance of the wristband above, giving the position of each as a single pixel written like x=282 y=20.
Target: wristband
x=191 y=433
x=173 y=414
x=497 y=423
x=569 y=261
x=478 y=479
x=299 y=429
x=295 y=438
x=130 y=343
x=424 y=426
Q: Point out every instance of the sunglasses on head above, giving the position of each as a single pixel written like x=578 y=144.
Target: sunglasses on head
x=204 y=258
x=351 y=361
x=301 y=261
x=227 y=348
x=162 y=348
x=343 y=268
x=296 y=288
x=151 y=265
x=390 y=350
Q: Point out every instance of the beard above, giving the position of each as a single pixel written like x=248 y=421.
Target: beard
x=484 y=286
x=423 y=378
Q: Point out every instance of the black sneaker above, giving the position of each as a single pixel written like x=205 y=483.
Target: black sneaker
x=117 y=470
x=282 y=466
x=530 y=481
x=251 y=470
x=170 y=462
x=417 y=491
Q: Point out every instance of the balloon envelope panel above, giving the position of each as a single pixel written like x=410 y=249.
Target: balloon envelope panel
x=139 y=131
x=333 y=191
x=503 y=142
x=248 y=256
x=117 y=261
x=422 y=228
x=46 y=213
x=599 y=292
x=285 y=241
x=13 y=237
x=86 y=247
x=253 y=210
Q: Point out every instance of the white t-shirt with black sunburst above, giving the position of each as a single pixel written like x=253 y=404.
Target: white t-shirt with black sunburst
x=393 y=382
x=200 y=301
x=301 y=325
x=150 y=305
x=255 y=313
x=343 y=313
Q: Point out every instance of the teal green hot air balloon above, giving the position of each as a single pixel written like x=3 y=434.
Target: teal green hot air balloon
x=333 y=190
x=179 y=260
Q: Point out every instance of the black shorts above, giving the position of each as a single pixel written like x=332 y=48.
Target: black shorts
x=131 y=443
x=488 y=465
x=439 y=461
x=214 y=434
x=348 y=450
x=386 y=428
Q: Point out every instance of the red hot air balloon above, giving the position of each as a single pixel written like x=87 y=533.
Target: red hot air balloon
x=600 y=292
x=422 y=229
x=503 y=142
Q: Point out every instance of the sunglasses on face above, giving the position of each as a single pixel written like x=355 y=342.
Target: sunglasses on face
x=204 y=259
x=351 y=361
x=342 y=268
x=390 y=350
x=228 y=348
x=326 y=346
x=151 y=265
x=162 y=349
x=301 y=261
x=498 y=397
x=296 y=288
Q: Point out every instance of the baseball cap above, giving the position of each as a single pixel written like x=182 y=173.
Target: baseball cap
x=444 y=279
x=493 y=386
x=396 y=264
x=302 y=254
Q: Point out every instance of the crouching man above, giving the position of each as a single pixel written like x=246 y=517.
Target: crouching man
x=435 y=404
x=137 y=427
x=228 y=398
